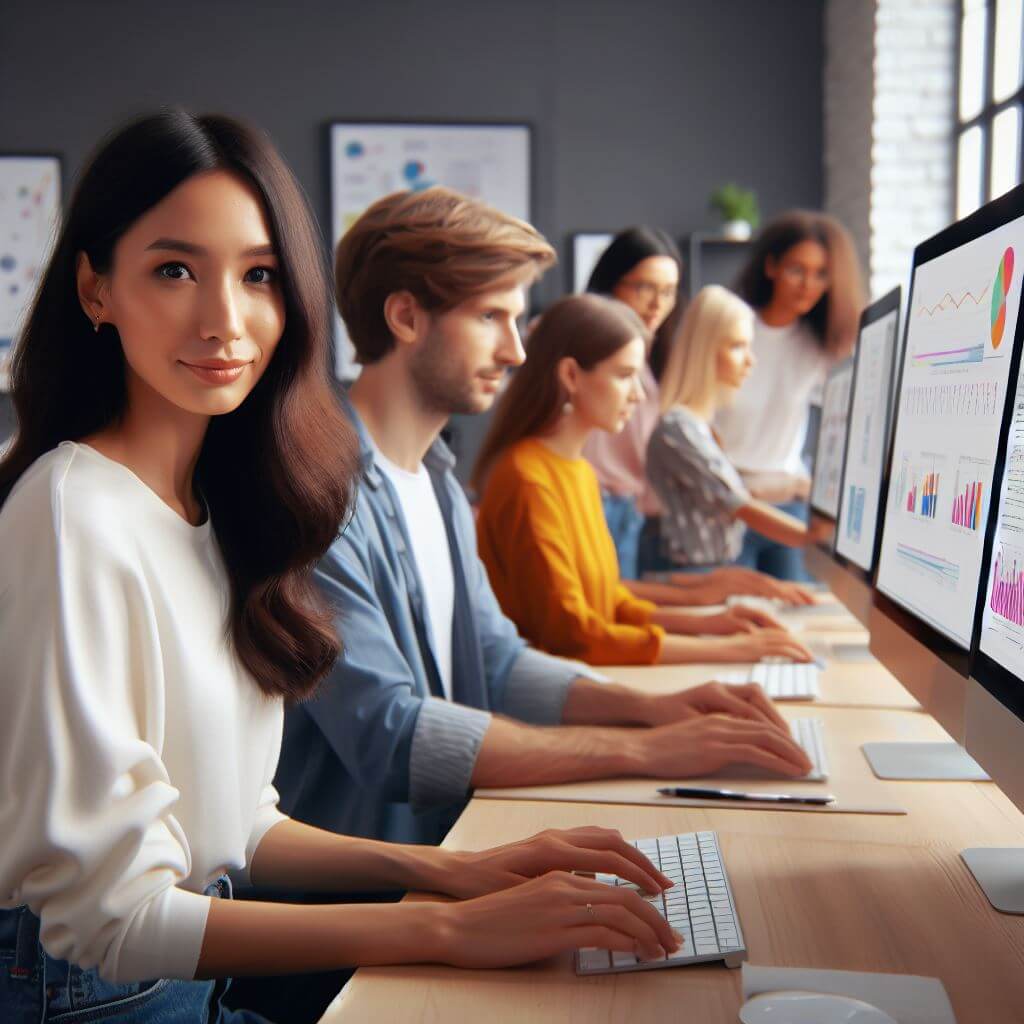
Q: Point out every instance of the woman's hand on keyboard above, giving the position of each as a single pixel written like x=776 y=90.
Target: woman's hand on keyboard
x=550 y=915
x=734 y=580
x=748 y=619
x=703 y=746
x=741 y=700
x=590 y=849
x=765 y=643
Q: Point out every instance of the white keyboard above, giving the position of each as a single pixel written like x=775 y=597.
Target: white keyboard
x=781 y=680
x=790 y=613
x=699 y=906
x=810 y=734
x=787 y=681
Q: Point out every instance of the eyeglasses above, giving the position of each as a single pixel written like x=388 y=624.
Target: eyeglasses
x=798 y=274
x=649 y=290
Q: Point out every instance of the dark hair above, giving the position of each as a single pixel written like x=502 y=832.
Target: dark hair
x=624 y=252
x=441 y=246
x=834 y=319
x=277 y=473
x=587 y=328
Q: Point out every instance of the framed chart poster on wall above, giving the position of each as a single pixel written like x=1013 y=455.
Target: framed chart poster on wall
x=30 y=194
x=370 y=159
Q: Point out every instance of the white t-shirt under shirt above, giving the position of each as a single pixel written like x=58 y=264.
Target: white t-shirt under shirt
x=139 y=749
x=763 y=431
x=430 y=551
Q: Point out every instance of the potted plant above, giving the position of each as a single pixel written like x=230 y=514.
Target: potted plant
x=738 y=209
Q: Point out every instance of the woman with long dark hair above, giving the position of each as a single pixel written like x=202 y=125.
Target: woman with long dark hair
x=179 y=466
x=640 y=267
x=804 y=283
x=542 y=534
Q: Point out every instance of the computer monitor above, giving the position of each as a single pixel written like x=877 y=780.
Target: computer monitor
x=957 y=378
x=867 y=439
x=994 y=719
x=828 y=456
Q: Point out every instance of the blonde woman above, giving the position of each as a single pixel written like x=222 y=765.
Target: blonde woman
x=707 y=505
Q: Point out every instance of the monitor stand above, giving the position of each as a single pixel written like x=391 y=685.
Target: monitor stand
x=938 y=762
x=1000 y=873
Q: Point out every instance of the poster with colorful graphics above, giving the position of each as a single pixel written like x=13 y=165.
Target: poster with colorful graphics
x=368 y=161
x=29 y=212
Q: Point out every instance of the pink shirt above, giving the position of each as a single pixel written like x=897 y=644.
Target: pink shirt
x=620 y=459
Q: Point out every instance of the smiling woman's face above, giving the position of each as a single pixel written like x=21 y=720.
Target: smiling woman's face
x=193 y=291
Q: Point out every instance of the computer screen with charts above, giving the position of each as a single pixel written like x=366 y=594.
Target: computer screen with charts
x=961 y=346
x=1000 y=642
x=828 y=457
x=867 y=439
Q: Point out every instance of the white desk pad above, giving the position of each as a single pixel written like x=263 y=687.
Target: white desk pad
x=908 y=998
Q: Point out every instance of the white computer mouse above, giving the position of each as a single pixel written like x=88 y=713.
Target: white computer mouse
x=810 y=1008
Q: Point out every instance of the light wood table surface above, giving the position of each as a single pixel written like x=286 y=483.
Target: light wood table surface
x=845 y=891
x=807 y=897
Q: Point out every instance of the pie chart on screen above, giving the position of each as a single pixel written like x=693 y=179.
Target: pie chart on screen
x=1000 y=289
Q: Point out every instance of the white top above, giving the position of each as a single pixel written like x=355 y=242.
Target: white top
x=763 y=431
x=432 y=556
x=136 y=753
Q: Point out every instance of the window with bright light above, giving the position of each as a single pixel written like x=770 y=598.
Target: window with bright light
x=989 y=158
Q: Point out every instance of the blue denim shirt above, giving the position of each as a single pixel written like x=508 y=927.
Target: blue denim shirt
x=379 y=751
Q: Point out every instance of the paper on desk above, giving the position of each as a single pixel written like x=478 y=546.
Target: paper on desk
x=908 y=998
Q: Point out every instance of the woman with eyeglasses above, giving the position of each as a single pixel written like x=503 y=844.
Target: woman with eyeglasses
x=804 y=283
x=641 y=268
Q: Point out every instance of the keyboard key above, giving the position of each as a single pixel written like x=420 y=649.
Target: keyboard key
x=593 y=959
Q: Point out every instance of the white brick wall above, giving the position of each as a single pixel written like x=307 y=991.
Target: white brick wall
x=889 y=82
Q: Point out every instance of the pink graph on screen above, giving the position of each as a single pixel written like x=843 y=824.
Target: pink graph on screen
x=1007 y=598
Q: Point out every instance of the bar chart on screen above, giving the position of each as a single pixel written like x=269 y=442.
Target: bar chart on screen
x=855 y=513
x=1007 y=595
x=970 y=493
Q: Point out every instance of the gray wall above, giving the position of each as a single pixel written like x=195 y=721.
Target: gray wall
x=639 y=109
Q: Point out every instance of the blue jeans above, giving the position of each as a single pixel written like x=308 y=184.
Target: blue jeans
x=624 y=524
x=778 y=560
x=651 y=557
x=37 y=989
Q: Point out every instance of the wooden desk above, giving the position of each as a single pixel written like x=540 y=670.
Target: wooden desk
x=826 y=901
x=843 y=684
x=961 y=812
x=850 y=892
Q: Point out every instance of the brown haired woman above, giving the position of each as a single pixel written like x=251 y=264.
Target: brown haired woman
x=804 y=283
x=541 y=528
x=179 y=465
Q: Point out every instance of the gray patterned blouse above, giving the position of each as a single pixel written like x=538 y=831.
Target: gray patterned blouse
x=699 y=488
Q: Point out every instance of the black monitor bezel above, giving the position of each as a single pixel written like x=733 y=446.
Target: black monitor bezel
x=998 y=680
x=885 y=306
x=988 y=218
x=833 y=370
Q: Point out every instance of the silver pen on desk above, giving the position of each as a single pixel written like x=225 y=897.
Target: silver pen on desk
x=706 y=793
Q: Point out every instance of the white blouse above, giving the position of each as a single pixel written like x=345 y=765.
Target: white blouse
x=763 y=430
x=136 y=752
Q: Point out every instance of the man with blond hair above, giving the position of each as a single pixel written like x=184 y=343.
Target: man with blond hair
x=436 y=693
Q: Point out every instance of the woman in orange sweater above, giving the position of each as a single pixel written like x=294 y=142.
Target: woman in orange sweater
x=541 y=528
